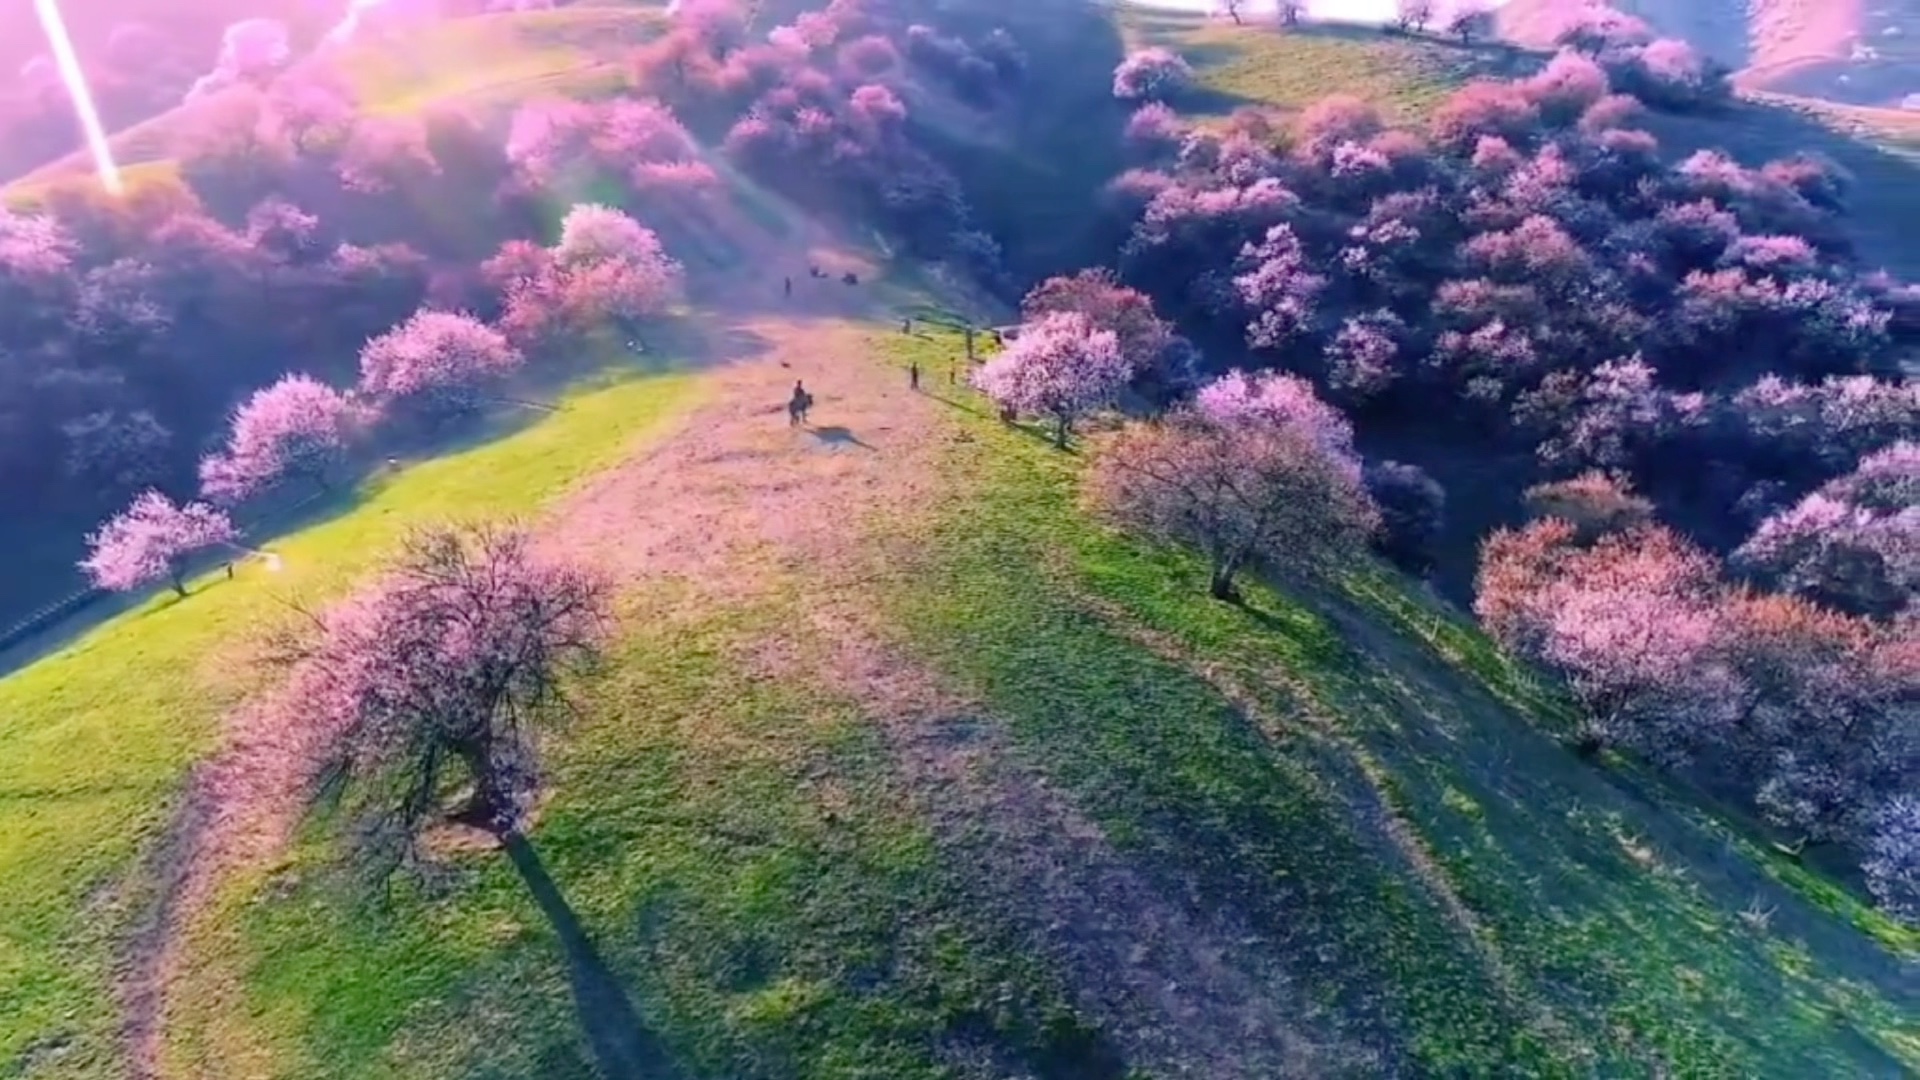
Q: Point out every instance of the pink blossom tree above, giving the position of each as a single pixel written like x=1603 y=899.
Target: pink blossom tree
x=151 y=541
x=438 y=361
x=1635 y=623
x=1061 y=367
x=250 y=51
x=1153 y=74
x=1237 y=491
x=298 y=427
x=1277 y=399
x=1855 y=543
x=1281 y=288
x=606 y=268
x=1143 y=336
x=454 y=660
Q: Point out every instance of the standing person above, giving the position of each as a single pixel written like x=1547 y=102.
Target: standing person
x=787 y=286
x=913 y=375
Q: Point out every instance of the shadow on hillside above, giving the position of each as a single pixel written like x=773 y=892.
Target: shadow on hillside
x=1501 y=802
x=623 y=1047
x=675 y=346
x=1883 y=201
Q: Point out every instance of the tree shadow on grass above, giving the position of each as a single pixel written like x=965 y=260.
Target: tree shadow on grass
x=623 y=1047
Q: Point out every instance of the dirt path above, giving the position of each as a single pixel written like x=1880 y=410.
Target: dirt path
x=239 y=807
x=741 y=505
x=737 y=505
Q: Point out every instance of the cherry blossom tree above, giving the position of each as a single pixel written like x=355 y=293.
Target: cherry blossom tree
x=1413 y=14
x=298 y=427
x=1280 y=287
x=1238 y=491
x=452 y=662
x=606 y=268
x=1146 y=341
x=438 y=361
x=1061 y=367
x=150 y=541
x=1277 y=399
x=1153 y=74
x=1855 y=543
x=1635 y=623
x=250 y=50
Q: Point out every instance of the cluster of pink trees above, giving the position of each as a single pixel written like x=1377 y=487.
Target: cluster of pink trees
x=1805 y=711
x=1528 y=276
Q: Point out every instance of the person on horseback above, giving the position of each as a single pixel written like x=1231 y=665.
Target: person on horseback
x=798 y=404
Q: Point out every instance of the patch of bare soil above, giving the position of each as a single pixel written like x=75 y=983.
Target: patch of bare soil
x=742 y=505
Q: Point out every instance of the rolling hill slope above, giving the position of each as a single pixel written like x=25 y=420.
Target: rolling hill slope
x=903 y=767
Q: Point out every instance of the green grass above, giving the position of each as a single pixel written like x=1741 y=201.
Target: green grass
x=750 y=867
x=1602 y=907
x=1254 y=64
x=762 y=885
x=94 y=738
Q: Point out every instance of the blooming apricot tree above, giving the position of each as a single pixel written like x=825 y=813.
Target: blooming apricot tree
x=1059 y=366
x=151 y=540
x=453 y=660
x=1151 y=75
x=438 y=360
x=1236 y=490
x=297 y=427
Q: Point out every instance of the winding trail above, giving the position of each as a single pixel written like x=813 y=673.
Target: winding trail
x=742 y=506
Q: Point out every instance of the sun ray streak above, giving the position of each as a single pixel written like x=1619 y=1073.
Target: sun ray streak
x=68 y=63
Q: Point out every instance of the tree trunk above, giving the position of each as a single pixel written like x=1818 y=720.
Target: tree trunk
x=176 y=577
x=487 y=809
x=1221 y=587
x=969 y=342
x=1060 y=431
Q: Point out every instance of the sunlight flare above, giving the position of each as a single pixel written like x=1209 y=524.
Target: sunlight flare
x=68 y=63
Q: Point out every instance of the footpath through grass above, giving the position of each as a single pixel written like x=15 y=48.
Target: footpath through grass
x=94 y=738
x=1604 y=930
x=734 y=879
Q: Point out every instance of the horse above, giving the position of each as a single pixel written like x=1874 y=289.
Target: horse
x=797 y=407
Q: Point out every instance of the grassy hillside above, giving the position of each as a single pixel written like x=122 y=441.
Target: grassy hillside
x=94 y=739
x=906 y=768
x=903 y=766
x=1255 y=64
x=486 y=60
